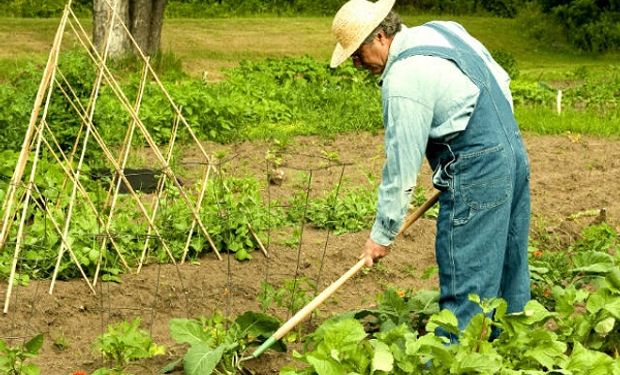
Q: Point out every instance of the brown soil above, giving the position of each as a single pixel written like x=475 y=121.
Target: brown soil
x=572 y=180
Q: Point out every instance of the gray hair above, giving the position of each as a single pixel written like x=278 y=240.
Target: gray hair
x=390 y=25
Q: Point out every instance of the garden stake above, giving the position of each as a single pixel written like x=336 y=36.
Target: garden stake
x=20 y=167
x=63 y=238
x=203 y=190
x=115 y=86
x=88 y=116
x=67 y=169
x=260 y=243
x=306 y=310
x=115 y=186
x=160 y=191
x=46 y=84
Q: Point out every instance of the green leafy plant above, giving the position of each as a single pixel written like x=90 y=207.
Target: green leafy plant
x=396 y=307
x=13 y=358
x=234 y=211
x=526 y=345
x=123 y=343
x=343 y=212
x=292 y=295
x=507 y=61
x=217 y=343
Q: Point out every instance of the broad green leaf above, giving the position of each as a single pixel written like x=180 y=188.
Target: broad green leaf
x=613 y=280
x=595 y=268
x=474 y=298
x=476 y=363
x=535 y=312
x=242 y=254
x=34 y=345
x=595 y=303
x=613 y=307
x=605 y=326
x=170 y=366
x=585 y=361
x=382 y=359
x=340 y=333
x=444 y=319
x=257 y=324
x=429 y=345
x=30 y=369
x=201 y=359
x=325 y=366
x=188 y=331
x=547 y=353
x=593 y=262
x=424 y=302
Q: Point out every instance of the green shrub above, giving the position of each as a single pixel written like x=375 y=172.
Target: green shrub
x=589 y=24
x=507 y=61
x=124 y=343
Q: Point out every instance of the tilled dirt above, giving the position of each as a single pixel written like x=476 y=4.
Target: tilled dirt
x=574 y=182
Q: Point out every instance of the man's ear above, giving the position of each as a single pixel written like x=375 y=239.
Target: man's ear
x=382 y=38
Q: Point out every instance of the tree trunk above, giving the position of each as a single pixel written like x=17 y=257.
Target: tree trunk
x=105 y=23
x=143 y=18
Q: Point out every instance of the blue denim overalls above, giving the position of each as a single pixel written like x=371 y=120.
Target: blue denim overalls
x=483 y=173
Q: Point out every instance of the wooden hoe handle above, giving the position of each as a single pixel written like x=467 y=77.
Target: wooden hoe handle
x=306 y=310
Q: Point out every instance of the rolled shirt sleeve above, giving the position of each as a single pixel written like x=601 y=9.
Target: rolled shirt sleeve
x=407 y=125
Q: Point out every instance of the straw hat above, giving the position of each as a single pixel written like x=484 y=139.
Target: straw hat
x=353 y=23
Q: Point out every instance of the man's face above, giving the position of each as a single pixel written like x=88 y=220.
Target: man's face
x=373 y=56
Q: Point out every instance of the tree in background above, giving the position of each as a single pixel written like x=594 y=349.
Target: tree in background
x=144 y=19
x=592 y=25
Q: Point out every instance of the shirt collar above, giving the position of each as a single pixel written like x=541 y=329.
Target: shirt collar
x=397 y=46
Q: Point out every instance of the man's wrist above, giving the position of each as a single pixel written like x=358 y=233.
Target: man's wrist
x=381 y=236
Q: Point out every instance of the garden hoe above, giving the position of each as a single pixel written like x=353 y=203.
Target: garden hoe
x=304 y=312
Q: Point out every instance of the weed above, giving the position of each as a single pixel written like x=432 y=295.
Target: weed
x=217 y=343
x=13 y=358
x=124 y=343
x=292 y=295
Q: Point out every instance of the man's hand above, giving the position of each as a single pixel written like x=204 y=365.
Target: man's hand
x=373 y=251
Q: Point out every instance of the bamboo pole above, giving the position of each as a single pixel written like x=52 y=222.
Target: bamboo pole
x=69 y=172
x=260 y=243
x=306 y=310
x=75 y=143
x=52 y=62
x=160 y=189
x=90 y=115
x=20 y=229
x=21 y=164
x=165 y=167
x=203 y=189
x=107 y=153
x=123 y=162
x=65 y=240
x=115 y=179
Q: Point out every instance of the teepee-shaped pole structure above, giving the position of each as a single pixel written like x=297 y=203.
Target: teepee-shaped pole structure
x=23 y=196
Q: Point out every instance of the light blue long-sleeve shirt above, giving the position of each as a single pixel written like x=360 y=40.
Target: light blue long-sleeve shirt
x=423 y=97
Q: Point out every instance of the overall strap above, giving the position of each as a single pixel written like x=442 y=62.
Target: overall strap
x=473 y=65
x=463 y=55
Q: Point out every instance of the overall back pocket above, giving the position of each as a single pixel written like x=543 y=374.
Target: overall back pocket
x=484 y=177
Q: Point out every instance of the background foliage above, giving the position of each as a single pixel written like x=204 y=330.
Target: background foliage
x=591 y=25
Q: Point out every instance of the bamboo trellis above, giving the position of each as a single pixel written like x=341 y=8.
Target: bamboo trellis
x=40 y=137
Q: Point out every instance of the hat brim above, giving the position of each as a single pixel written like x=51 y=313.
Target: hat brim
x=341 y=54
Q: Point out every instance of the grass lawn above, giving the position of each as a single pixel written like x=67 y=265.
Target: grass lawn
x=213 y=44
